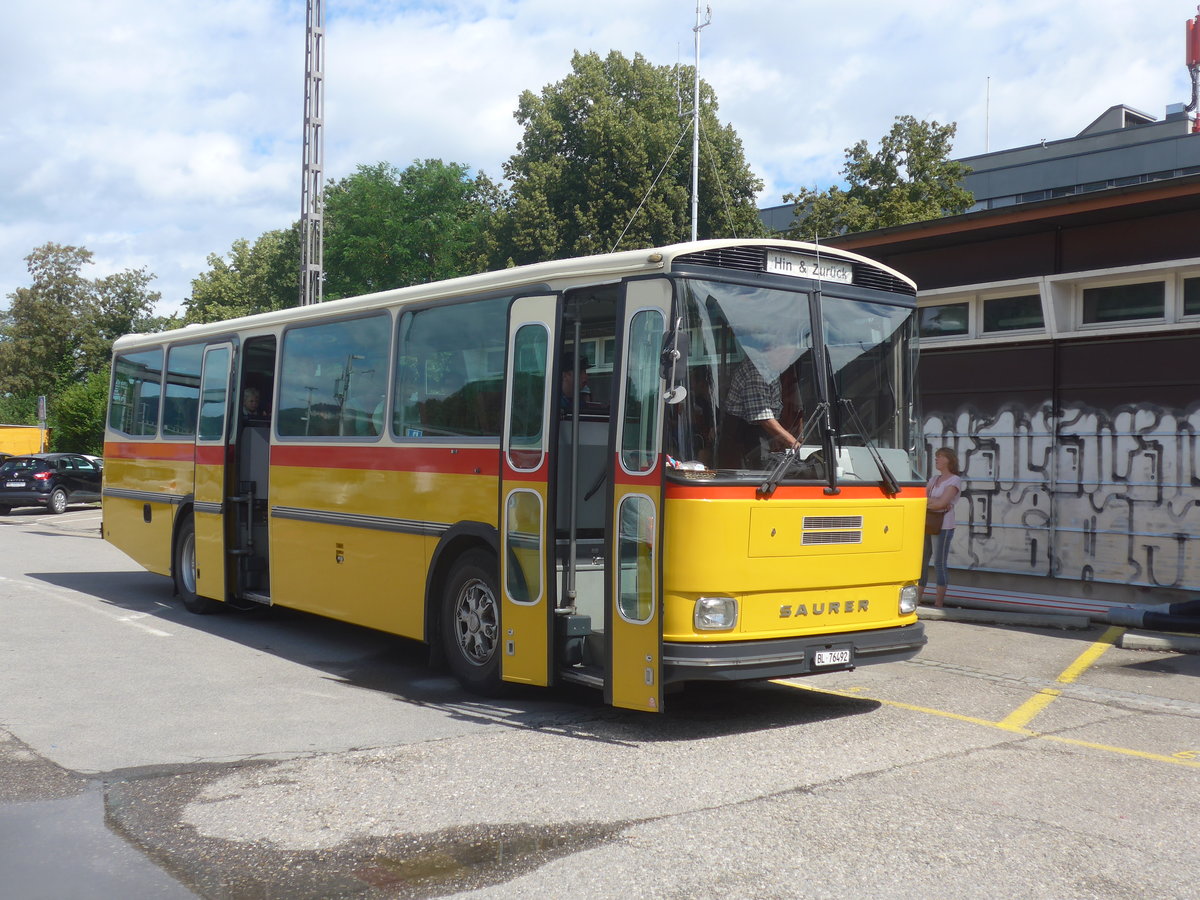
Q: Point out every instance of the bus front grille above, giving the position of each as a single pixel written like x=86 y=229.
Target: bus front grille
x=833 y=522
x=817 y=538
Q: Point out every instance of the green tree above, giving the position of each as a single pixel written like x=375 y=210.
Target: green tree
x=613 y=135
x=39 y=337
x=56 y=335
x=121 y=303
x=911 y=178
x=387 y=228
x=250 y=278
x=18 y=409
x=76 y=416
x=61 y=327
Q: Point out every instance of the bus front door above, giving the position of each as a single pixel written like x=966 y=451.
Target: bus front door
x=526 y=545
x=211 y=457
x=633 y=611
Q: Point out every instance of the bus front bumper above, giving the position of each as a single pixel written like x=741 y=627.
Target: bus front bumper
x=789 y=657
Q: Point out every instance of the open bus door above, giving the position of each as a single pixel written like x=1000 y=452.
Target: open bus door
x=211 y=457
x=526 y=544
x=633 y=611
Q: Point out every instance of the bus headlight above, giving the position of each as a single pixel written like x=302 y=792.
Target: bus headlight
x=715 y=613
x=909 y=596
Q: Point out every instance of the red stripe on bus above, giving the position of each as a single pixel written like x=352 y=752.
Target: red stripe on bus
x=147 y=450
x=783 y=492
x=444 y=460
x=652 y=477
x=210 y=454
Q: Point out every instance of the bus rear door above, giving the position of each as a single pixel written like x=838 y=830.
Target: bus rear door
x=526 y=544
x=211 y=457
x=633 y=613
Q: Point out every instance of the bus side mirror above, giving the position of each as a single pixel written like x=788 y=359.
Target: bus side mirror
x=674 y=363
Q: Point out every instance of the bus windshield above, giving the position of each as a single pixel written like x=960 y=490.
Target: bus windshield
x=754 y=391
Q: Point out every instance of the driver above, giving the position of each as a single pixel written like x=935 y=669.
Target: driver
x=752 y=409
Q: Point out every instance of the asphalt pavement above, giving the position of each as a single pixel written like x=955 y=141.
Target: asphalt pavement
x=281 y=755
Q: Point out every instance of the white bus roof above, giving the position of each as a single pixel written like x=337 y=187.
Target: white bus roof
x=560 y=274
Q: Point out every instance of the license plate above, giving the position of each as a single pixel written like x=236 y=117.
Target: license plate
x=831 y=658
x=14 y=484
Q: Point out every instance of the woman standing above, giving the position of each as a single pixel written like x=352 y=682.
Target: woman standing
x=942 y=490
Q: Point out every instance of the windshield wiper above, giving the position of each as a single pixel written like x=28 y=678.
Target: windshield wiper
x=791 y=457
x=887 y=481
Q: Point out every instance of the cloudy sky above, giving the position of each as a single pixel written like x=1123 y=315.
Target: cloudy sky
x=156 y=132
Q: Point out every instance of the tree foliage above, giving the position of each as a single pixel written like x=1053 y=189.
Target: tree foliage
x=77 y=414
x=56 y=339
x=594 y=145
x=387 y=228
x=60 y=328
x=911 y=178
x=250 y=278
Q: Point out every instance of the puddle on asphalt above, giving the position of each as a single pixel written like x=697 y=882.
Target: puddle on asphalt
x=147 y=811
x=62 y=848
x=467 y=858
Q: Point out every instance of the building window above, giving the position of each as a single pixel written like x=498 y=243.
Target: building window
x=1013 y=313
x=948 y=319
x=1124 y=302
x=1191 y=296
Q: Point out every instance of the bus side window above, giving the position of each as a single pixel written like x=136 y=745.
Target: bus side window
x=449 y=370
x=181 y=399
x=332 y=377
x=137 y=385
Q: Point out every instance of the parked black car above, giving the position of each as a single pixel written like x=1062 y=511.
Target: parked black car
x=52 y=480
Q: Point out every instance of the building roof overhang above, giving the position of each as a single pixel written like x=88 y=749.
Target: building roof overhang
x=1113 y=204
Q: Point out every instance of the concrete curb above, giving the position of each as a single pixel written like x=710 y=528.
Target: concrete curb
x=998 y=617
x=1131 y=640
x=1179 y=643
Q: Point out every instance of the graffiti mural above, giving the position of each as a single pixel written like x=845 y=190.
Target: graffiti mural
x=1106 y=495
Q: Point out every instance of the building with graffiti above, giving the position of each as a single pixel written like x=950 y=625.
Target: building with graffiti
x=1060 y=358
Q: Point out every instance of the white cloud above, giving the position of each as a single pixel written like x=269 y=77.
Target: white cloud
x=155 y=132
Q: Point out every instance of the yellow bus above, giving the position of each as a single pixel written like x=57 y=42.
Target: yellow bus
x=630 y=471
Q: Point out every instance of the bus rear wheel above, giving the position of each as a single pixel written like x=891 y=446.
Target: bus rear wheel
x=471 y=623
x=184 y=570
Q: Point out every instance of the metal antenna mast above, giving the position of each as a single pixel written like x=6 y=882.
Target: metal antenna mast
x=312 y=205
x=696 y=119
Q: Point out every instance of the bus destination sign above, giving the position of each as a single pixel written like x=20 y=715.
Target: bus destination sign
x=801 y=265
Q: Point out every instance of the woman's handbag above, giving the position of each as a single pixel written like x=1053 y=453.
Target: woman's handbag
x=933 y=520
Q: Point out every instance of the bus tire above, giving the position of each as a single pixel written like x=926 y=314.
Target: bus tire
x=470 y=623
x=183 y=569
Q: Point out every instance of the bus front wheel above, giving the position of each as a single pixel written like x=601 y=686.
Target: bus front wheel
x=471 y=623
x=184 y=571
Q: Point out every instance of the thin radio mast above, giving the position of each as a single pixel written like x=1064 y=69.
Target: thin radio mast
x=312 y=204
x=696 y=119
x=987 y=118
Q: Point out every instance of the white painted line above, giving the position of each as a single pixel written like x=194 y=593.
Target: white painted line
x=125 y=617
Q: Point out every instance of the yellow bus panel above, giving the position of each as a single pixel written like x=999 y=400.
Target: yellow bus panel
x=801 y=567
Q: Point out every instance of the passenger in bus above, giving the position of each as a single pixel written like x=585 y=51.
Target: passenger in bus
x=252 y=410
x=942 y=490
x=751 y=417
x=566 y=395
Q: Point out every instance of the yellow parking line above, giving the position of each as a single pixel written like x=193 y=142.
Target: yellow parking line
x=1024 y=714
x=1091 y=654
x=1005 y=725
